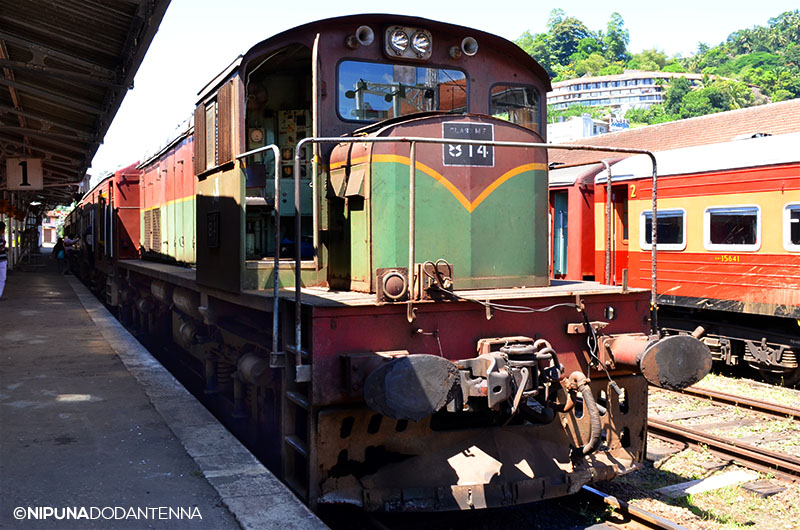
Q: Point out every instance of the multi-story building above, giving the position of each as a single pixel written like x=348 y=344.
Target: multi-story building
x=632 y=89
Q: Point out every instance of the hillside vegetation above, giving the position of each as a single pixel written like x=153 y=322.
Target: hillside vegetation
x=752 y=67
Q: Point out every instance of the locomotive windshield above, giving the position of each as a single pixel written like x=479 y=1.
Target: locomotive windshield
x=371 y=92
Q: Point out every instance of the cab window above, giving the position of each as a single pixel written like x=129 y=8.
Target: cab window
x=370 y=92
x=517 y=104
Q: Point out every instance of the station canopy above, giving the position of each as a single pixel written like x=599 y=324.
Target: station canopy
x=65 y=67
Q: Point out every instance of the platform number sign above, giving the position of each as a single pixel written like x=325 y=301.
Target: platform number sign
x=468 y=155
x=24 y=173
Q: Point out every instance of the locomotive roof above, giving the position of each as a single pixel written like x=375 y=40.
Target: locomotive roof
x=748 y=152
x=488 y=40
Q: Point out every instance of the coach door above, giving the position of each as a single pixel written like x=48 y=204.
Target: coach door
x=619 y=234
x=559 y=234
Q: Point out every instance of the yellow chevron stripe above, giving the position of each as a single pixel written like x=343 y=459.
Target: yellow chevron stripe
x=169 y=203
x=469 y=206
x=354 y=161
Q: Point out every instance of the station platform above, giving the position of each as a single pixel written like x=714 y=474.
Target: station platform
x=95 y=433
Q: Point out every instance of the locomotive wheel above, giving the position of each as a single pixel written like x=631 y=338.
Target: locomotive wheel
x=788 y=379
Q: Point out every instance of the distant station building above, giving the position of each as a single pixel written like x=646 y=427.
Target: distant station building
x=632 y=89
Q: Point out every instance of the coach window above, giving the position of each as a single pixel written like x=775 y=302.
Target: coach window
x=791 y=227
x=732 y=228
x=671 y=228
x=517 y=104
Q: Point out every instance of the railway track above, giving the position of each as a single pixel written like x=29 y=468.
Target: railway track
x=641 y=518
x=580 y=511
x=742 y=401
x=781 y=464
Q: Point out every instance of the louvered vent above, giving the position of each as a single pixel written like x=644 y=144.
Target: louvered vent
x=156 y=230
x=224 y=104
x=148 y=230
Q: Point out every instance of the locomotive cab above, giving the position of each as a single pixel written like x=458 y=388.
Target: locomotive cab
x=394 y=76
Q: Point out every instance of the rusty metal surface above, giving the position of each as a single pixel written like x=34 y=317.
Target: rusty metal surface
x=674 y=362
x=380 y=463
x=411 y=387
x=64 y=69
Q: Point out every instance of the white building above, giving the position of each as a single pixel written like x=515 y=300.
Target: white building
x=632 y=89
x=575 y=128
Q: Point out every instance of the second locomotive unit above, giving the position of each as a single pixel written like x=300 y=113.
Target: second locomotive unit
x=370 y=297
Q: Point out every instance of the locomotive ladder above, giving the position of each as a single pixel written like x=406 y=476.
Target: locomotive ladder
x=296 y=418
x=297 y=428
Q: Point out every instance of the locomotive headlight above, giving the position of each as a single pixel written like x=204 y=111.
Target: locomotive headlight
x=420 y=43
x=398 y=40
x=408 y=43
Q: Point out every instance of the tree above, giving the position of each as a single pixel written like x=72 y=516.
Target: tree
x=537 y=47
x=653 y=115
x=649 y=60
x=565 y=35
x=674 y=66
x=616 y=39
x=591 y=65
x=673 y=98
x=613 y=69
x=696 y=103
x=586 y=47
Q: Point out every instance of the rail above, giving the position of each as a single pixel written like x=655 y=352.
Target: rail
x=747 y=455
x=781 y=411
x=650 y=519
x=413 y=141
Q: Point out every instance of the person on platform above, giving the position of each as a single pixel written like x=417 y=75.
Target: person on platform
x=60 y=255
x=3 y=259
x=70 y=248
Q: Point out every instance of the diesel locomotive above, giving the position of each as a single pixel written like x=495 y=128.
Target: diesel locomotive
x=362 y=284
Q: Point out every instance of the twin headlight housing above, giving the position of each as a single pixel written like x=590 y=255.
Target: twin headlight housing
x=408 y=42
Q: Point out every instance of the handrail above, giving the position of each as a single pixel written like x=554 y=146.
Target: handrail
x=412 y=227
x=608 y=222
x=276 y=151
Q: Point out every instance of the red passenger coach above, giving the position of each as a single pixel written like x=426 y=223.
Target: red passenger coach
x=125 y=200
x=168 y=202
x=572 y=222
x=107 y=224
x=728 y=244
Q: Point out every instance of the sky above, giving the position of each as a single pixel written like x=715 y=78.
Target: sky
x=197 y=39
